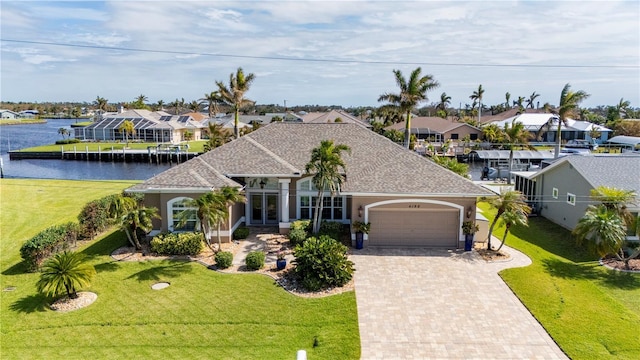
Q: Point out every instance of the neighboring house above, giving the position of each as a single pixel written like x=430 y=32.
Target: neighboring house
x=486 y=118
x=157 y=126
x=331 y=117
x=409 y=200
x=437 y=129
x=227 y=123
x=29 y=114
x=628 y=143
x=8 y=114
x=573 y=130
x=560 y=192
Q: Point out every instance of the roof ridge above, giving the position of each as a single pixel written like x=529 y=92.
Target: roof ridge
x=272 y=154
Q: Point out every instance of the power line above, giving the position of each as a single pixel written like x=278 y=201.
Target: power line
x=281 y=58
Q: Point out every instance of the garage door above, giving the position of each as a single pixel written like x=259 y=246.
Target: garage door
x=415 y=227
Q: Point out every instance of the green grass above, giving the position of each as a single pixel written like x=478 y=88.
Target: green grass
x=203 y=314
x=194 y=146
x=21 y=121
x=590 y=311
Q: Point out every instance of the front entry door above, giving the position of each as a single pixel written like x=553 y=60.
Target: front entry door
x=264 y=208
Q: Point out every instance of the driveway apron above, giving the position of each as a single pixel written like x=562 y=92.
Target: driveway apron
x=439 y=304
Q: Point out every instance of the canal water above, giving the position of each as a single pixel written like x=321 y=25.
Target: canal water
x=16 y=137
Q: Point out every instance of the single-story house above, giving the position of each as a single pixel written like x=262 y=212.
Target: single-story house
x=330 y=117
x=561 y=191
x=631 y=143
x=437 y=129
x=408 y=199
x=29 y=114
x=8 y=114
x=150 y=126
x=574 y=129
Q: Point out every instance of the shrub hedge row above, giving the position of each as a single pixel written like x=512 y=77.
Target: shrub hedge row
x=187 y=243
x=48 y=242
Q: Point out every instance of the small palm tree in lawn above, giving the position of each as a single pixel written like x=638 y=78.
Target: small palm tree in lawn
x=212 y=100
x=511 y=201
x=128 y=129
x=65 y=272
x=515 y=135
x=411 y=93
x=514 y=217
x=532 y=99
x=138 y=218
x=328 y=168
x=477 y=96
x=233 y=95
x=604 y=232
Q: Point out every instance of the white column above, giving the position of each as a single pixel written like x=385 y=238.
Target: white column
x=284 y=199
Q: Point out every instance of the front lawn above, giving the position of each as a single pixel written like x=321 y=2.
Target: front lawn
x=202 y=314
x=590 y=311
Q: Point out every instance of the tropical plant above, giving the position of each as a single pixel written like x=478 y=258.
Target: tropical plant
x=186 y=243
x=452 y=164
x=76 y=113
x=532 y=100
x=322 y=262
x=160 y=105
x=515 y=135
x=492 y=133
x=477 y=96
x=217 y=136
x=328 y=168
x=65 y=272
x=128 y=129
x=511 y=201
x=622 y=108
x=138 y=218
x=445 y=101
x=101 y=103
x=617 y=200
x=363 y=227
x=194 y=106
x=411 y=93
x=469 y=228
x=507 y=97
x=212 y=100
x=224 y=259
x=233 y=95
x=569 y=101
x=514 y=217
x=255 y=260
x=63 y=131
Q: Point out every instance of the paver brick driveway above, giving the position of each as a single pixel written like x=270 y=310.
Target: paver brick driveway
x=436 y=304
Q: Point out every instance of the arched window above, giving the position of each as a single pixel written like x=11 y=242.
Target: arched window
x=182 y=205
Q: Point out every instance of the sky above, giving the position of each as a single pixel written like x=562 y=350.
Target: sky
x=318 y=52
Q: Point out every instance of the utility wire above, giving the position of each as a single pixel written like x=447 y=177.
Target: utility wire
x=281 y=58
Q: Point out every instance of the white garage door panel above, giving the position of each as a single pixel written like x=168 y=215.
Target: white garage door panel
x=428 y=228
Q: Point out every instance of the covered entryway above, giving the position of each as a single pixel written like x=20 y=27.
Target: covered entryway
x=414 y=227
x=264 y=208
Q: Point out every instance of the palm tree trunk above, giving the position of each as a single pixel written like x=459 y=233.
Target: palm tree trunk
x=407 y=130
x=318 y=210
x=510 y=165
x=135 y=239
x=205 y=232
x=504 y=238
x=126 y=231
x=493 y=223
x=236 y=121
x=556 y=152
x=219 y=240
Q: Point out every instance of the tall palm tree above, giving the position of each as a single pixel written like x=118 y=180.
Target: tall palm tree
x=569 y=101
x=532 y=99
x=233 y=95
x=507 y=97
x=138 y=218
x=328 y=168
x=101 y=103
x=160 y=105
x=519 y=103
x=128 y=129
x=515 y=135
x=622 y=108
x=477 y=96
x=512 y=201
x=194 y=106
x=141 y=99
x=212 y=100
x=65 y=272
x=511 y=218
x=445 y=101
x=63 y=131
x=603 y=231
x=411 y=93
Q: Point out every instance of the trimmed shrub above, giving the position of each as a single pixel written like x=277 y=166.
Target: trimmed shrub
x=255 y=260
x=47 y=243
x=321 y=263
x=187 y=243
x=224 y=259
x=241 y=233
x=301 y=225
x=94 y=217
x=67 y=141
x=297 y=236
x=333 y=229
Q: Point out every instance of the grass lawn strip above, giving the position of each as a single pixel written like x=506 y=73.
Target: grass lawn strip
x=203 y=314
x=590 y=311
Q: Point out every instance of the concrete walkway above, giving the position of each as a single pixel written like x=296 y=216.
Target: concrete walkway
x=437 y=304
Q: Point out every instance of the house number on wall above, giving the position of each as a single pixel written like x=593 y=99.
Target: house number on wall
x=414 y=206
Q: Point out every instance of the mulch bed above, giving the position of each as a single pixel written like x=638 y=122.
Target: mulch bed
x=612 y=262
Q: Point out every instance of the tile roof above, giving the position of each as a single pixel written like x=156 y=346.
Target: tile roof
x=375 y=165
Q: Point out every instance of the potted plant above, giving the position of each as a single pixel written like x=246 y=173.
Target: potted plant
x=469 y=228
x=281 y=261
x=361 y=228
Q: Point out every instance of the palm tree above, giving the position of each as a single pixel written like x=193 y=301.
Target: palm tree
x=569 y=101
x=445 y=101
x=411 y=94
x=328 y=168
x=492 y=133
x=128 y=128
x=217 y=136
x=616 y=200
x=511 y=218
x=120 y=205
x=101 y=103
x=515 y=135
x=511 y=201
x=622 y=108
x=604 y=232
x=194 y=106
x=233 y=95
x=160 y=105
x=477 y=96
x=63 y=131
x=65 y=272
x=212 y=100
x=137 y=218
x=507 y=97
x=531 y=100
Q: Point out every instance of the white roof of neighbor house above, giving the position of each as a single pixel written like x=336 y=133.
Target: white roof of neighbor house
x=536 y=121
x=627 y=140
x=517 y=154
